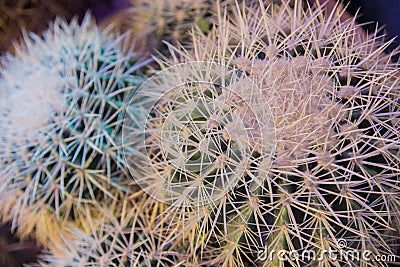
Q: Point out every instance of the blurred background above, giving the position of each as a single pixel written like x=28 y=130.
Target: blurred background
x=384 y=12
x=34 y=15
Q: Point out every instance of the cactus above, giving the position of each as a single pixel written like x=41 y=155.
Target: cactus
x=201 y=137
x=278 y=133
x=153 y=22
x=123 y=236
x=334 y=180
x=63 y=99
x=169 y=20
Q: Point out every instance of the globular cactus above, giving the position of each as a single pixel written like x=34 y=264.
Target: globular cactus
x=333 y=183
x=63 y=100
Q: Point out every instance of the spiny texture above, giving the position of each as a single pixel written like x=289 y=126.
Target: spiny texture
x=335 y=100
x=202 y=134
x=123 y=236
x=62 y=106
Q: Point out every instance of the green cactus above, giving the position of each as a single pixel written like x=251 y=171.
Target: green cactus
x=334 y=97
x=63 y=100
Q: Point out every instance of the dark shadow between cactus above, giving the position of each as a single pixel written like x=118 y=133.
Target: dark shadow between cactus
x=15 y=251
